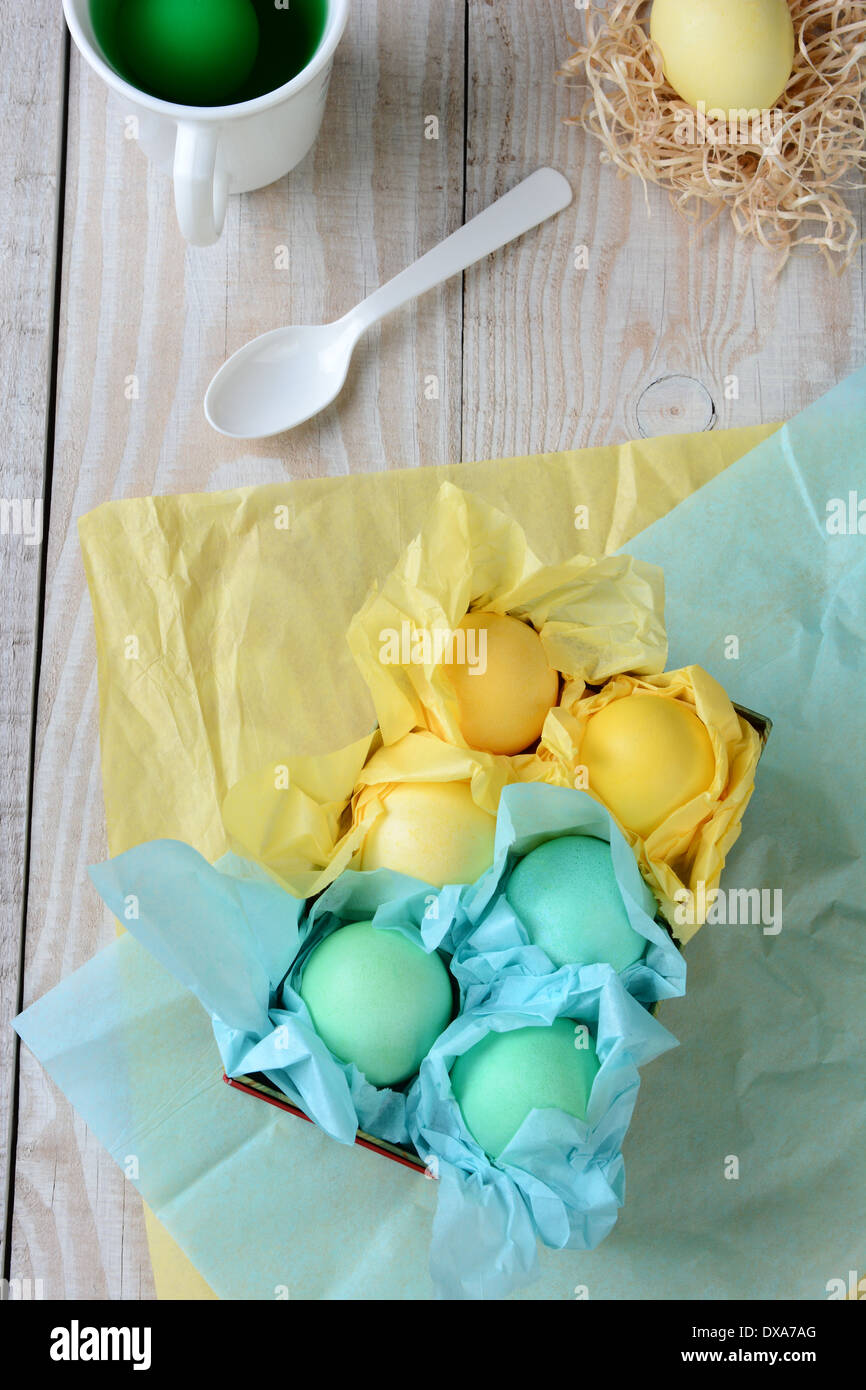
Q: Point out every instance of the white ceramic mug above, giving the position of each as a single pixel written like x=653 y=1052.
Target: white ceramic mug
x=217 y=150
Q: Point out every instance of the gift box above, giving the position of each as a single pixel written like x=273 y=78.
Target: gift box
x=260 y=1088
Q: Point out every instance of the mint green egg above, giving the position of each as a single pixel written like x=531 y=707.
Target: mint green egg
x=506 y=1075
x=193 y=52
x=566 y=895
x=377 y=999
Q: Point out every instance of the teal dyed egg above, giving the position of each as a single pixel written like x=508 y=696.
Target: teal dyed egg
x=193 y=52
x=506 y=1075
x=566 y=895
x=377 y=999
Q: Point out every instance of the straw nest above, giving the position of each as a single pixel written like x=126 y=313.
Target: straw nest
x=783 y=178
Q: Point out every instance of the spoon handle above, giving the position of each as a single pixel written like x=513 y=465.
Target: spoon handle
x=534 y=200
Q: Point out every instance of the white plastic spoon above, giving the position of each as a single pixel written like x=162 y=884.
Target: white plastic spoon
x=285 y=377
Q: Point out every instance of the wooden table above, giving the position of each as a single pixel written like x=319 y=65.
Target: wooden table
x=112 y=329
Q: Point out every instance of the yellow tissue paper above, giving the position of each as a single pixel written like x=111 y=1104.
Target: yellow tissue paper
x=422 y=757
x=306 y=819
x=596 y=616
x=289 y=815
x=686 y=853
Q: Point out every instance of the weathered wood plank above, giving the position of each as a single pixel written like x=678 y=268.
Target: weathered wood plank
x=31 y=117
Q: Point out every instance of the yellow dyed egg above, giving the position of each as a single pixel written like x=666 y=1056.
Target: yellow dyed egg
x=503 y=682
x=732 y=55
x=646 y=756
x=433 y=831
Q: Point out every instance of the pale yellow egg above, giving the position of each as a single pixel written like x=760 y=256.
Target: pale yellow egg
x=433 y=831
x=732 y=55
x=503 y=682
x=646 y=756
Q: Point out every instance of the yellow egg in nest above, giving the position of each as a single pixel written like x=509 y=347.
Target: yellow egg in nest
x=645 y=757
x=732 y=55
x=503 y=681
x=433 y=831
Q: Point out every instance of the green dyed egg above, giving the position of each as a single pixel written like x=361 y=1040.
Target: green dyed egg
x=567 y=897
x=377 y=1000
x=506 y=1075
x=194 y=52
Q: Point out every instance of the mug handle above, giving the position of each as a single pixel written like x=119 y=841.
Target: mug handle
x=200 y=183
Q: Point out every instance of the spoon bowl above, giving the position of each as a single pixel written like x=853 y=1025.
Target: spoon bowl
x=289 y=374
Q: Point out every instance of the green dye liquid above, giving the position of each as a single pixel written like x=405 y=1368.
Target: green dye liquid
x=288 y=40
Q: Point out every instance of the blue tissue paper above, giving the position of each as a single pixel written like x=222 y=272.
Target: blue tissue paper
x=230 y=937
x=490 y=939
x=560 y=1180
